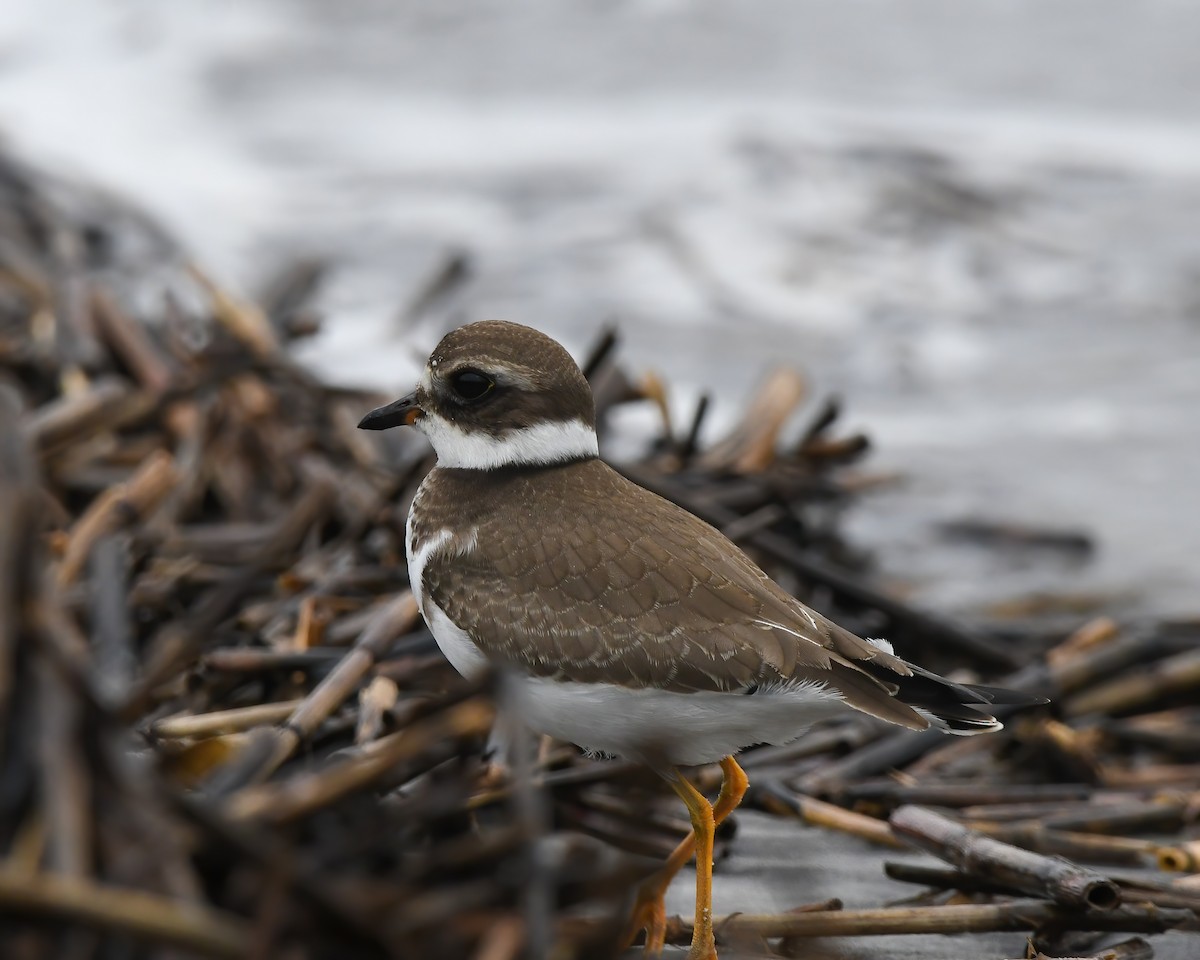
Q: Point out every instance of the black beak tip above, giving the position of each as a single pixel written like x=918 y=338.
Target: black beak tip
x=395 y=414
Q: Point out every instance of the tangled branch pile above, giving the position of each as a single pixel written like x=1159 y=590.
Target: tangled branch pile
x=223 y=728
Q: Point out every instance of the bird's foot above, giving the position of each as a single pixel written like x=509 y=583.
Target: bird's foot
x=649 y=914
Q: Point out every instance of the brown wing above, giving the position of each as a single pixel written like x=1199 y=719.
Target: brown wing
x=647 y=595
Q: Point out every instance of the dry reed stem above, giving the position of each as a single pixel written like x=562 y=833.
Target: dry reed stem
x=1064 y=882
x=116 y=507
x=1139 y=688
x=822 y=814
x=146 y=916
x=218 y=722
x=953 y=918
x=281 y=802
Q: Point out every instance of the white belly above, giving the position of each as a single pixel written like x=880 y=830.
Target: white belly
x=654 y=726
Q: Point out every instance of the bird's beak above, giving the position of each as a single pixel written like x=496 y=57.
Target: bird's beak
x=402 y=412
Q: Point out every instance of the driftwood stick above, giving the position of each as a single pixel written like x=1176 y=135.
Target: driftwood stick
x=1086 y=667
x=271 y=852
x=1140 y=688
x=1123 y=819
x=1134 y=889
x=1164 y=894
x=287 y=298
x=65 y=787
x=244 y=321
x=943 y=878
x=177 y=641
x=112 y=630
x=20 y=551
x=895 y=749
x=1180 y=738
x=308 y=509
x=130 y=341
x=750 y=445
x=146 y=916
x=451 y=270
x=1093 y=847
x=219 y=722
x=636 y=814
x=777 y=799
x=964 y=794
x=117 y=507
x=1092 y=635
x=1062 y=881
x=691 y=439
x=276 y=747
x=385 y=627
x=600 y=353
x=1152 y=776
x=282 y=802
x=389 y=623
x=244 y=660
x=953 y=918
x=1007 y=811
x=75 y=415
x=1184 y=857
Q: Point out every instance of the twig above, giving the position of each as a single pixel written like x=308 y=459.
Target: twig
x=135 y=913
x=220 y=722
x=1064 y=882
x=773 y=797
x=281 y=802
x=116 y=507
x=953 y=918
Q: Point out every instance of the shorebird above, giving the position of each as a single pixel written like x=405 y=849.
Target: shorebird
x=636 y=628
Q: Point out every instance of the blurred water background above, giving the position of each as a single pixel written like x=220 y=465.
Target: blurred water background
x=975 y=222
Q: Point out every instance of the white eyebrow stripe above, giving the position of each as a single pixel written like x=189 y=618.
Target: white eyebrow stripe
x=510 y=376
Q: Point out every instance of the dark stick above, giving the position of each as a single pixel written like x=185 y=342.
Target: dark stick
x=112 y=632
x=963 y=794
x=953 y=918
x=1062 y=881
x=20 y=515
x=889 y=751
x=130 y=340
x=691 y=441
x=145 y=916
x=944 y=878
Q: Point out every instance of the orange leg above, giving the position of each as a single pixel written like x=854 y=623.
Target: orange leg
x=649 y=911
x=704 y=946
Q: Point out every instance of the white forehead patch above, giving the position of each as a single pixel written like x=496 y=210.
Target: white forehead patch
x=538 y=445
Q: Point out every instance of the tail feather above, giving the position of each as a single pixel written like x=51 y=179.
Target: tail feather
x=956 y=708
x=1004 y=696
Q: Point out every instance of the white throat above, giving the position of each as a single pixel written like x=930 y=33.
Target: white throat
x=539 y=445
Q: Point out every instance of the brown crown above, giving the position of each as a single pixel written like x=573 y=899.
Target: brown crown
x=545 y=383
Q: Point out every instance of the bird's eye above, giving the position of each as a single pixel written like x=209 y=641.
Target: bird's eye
x=471 y=385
